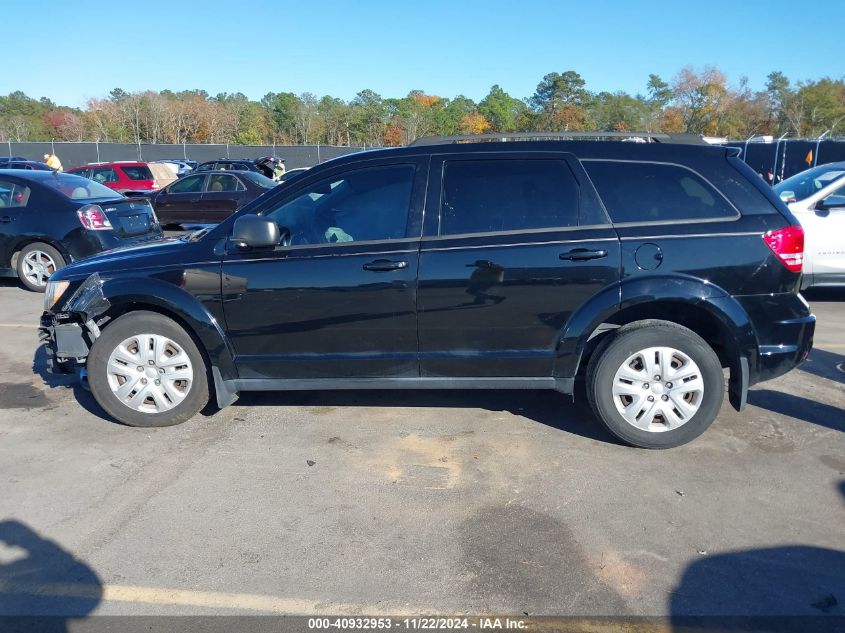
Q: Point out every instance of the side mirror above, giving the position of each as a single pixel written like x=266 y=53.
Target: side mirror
x=833 y=202
x=254 y=231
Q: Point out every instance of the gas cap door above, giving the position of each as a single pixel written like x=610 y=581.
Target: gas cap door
x=648 y=256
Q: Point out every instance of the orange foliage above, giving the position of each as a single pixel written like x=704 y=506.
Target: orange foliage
x=474 y=124
x=393 y=136
x=673 y=120
x=425 y=101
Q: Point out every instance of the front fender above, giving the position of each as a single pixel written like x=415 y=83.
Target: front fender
x=98 y=296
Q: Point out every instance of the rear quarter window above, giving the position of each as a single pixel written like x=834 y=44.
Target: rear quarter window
x=656 y=192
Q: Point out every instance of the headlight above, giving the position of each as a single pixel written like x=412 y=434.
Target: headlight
x=54 y=292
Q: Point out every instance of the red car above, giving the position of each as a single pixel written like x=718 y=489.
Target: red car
x=122 y=176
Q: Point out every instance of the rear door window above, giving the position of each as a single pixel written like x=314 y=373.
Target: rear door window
x=656 y=192
x=223 y=182
x=485 y=196
x=13 y=194
x=103 y=174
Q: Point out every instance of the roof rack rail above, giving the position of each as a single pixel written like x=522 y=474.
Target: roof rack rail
x=642 y=137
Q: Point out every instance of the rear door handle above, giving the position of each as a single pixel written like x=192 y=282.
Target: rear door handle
x=6 y=219
x=384 y=265
x=583 y=254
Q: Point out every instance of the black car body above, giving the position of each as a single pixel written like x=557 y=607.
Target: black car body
x=207 y=197
x=25 y=164
x=229 y=164
x=478 y=265
x=65 y=218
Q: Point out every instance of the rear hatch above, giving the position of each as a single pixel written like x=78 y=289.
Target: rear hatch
x=141 y=177
x=132 y=217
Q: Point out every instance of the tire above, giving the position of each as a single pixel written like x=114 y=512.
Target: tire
x=165 y=380
x=36 y=262
x=678 y=412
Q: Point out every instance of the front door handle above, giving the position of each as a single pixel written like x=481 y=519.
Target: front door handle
x=6 y=219
x=583 y=254
x=385 y=265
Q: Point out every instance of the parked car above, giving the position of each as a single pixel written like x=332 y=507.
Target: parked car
x=179 y=166
x=226 y=164
x=208 y=197
x=24 y=164
x=162 y=174
x=817 y=198
x=292 y=173
x=122 y=176
x=5 y=159
x=51 y=219
x=647 y=268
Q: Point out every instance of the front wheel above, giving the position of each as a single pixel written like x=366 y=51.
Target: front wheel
x=655 y=384
x=146 y=370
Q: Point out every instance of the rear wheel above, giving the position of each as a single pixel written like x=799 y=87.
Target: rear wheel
x=36 y=262
x=146 y=370
x=655 y=384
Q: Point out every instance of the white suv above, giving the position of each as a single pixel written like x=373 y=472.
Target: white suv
x=817 y=198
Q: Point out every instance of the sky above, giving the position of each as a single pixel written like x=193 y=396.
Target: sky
x=81 y=49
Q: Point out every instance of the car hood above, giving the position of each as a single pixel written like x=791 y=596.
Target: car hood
x=159 y=253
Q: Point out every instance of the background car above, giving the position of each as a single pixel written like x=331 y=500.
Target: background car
x=50 y=219
x=178 y=165
x=234 y=164
x=291 y=173
x=163 y=174
x=817 y=198
x=208 y=197
x=24 y=164
x=123 y=177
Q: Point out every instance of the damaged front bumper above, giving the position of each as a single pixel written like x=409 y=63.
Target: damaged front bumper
x=70 y=332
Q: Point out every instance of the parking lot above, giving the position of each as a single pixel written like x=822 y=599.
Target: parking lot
x=433 y=502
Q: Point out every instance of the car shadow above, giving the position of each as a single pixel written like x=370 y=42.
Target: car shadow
x=40 y=362
x=784 y=588
x=800 y=408
x=549 y=408
x=824 y=294
x=39 y=578
x=11 y=282
x=825 y=365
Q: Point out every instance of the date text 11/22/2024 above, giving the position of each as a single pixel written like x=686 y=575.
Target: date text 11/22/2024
x=422 y=623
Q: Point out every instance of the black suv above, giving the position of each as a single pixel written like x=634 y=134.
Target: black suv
x=644 y=267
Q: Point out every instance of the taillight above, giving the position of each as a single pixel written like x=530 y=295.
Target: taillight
x=788 y=245
x=93 y=218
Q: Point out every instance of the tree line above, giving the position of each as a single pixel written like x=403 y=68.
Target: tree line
x=693 y=101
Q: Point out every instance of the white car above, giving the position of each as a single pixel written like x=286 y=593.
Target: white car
x=817 y=198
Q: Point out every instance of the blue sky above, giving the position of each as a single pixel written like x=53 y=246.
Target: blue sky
x=83 y=48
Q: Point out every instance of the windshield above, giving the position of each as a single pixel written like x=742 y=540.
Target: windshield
x=808 y=182
x=79 y=188
x=259 y=179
